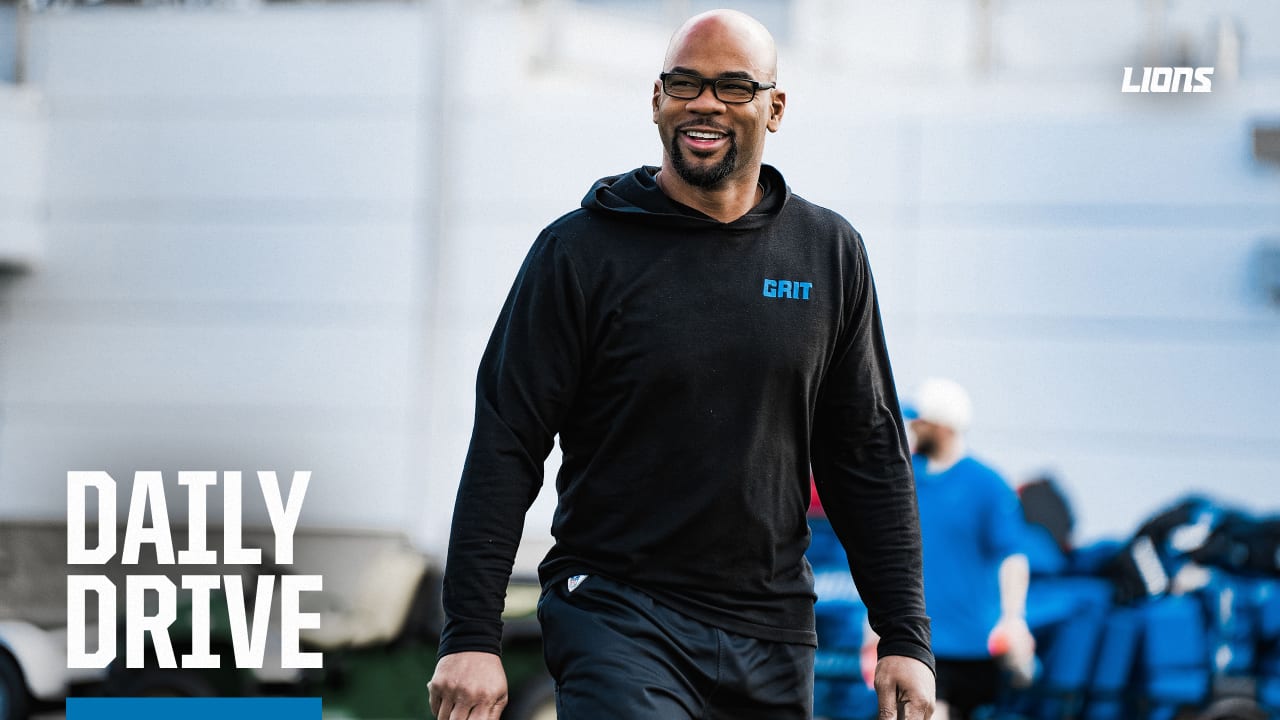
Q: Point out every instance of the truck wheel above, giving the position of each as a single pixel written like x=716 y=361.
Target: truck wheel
x=14 y=702
x=1233 y=709
x=155 y=682
x=536 y=701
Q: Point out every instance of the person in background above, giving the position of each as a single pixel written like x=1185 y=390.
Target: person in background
x=975 y=574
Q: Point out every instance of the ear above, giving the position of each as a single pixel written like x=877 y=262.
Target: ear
x=777 y=104
x=657 y=96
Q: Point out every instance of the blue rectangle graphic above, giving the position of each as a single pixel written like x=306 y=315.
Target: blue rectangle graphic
x=83 y=708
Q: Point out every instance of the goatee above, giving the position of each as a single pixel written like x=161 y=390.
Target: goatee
x=700 y=176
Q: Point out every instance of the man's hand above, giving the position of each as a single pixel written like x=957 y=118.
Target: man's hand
x=468 y=686
x=1012 y=643
x=905 y=689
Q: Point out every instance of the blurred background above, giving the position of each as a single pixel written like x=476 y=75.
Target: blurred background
x=274 y=235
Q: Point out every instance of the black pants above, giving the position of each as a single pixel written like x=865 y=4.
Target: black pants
x=966 y=685
x=616 y=653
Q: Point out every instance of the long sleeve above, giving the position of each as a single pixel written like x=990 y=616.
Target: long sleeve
x=527 y=380
x=863 y=473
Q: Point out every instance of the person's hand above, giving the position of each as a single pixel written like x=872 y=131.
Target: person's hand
x=1012 y=643
x=905 y=689
x=468 y=686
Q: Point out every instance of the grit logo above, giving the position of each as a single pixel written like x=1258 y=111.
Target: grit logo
x=1169 y=80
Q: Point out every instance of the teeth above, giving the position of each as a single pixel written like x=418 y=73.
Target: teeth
x=703 y=135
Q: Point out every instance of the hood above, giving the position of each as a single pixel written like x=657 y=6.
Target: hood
x=636 y=197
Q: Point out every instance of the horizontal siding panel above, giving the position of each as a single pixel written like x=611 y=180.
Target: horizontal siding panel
x=842 y=164
x=362 y=49
x=892 y=251
x=23 y=143
x=550 y=176
x=1051 y=40
x=159 y=158
x=23 y=177
x=1092 y=272
x=1181 y=389
x=192 y=265
x=456 y=355
x=482 y=258
x=359 y=474
x=189 y=365
x=1135 y=158
x=22 y=240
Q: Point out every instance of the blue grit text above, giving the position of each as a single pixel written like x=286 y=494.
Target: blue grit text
x=793 y=289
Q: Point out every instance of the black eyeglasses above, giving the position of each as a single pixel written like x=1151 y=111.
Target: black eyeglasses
x=727 y=90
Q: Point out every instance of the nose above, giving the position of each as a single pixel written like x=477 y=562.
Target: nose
x=706 y=102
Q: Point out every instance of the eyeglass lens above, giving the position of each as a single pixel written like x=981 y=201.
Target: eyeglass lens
x=687 y=87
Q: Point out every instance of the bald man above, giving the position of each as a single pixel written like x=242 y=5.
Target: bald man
x=699 y=338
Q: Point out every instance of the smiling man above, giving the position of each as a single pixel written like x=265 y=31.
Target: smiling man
x=713 y=142
x=699 y=338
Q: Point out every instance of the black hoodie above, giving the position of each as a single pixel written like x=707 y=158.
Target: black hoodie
x=695 y=371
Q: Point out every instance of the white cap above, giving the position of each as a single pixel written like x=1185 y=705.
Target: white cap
x=944 y=402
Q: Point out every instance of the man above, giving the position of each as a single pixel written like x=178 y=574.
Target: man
x=975 y=574
x=697 y=336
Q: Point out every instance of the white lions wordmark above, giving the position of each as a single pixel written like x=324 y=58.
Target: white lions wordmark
x=1169 y=80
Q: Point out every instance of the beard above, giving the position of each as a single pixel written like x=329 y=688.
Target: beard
x=703 y=176
x=926 y=446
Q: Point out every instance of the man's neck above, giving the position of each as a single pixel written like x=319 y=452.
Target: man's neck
x=726 y=202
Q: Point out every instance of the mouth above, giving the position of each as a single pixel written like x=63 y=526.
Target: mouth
x=704 y=139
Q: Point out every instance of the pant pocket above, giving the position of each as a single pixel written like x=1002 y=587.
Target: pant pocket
x=552 y=645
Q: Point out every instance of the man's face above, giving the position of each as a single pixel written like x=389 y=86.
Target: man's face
x=929 y=436
x=705 y=140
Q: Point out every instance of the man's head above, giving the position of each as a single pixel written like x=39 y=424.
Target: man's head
x=706 y=141
x=943 y=413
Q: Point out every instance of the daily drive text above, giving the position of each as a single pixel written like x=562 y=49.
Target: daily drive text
x=247 y=617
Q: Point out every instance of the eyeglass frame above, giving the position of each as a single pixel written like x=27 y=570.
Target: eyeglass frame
x=703 y=82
